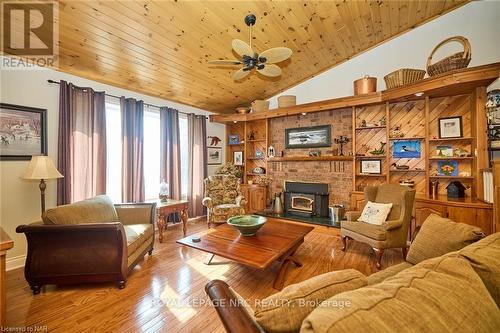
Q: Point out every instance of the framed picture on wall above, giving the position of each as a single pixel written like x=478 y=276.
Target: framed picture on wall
x=23 y=132
x=308 y=137
x=406 y=149
x=450 y=127
x=371 y=166
x=214 y=155
x=238 y=158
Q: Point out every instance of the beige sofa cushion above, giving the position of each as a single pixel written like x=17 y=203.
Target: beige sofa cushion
x=372 y=231
x=439 y=236
x=484 y=257
x=285 y=311
x=96 y=210
x=137 y=234
x=439 y=295
x=387 y=272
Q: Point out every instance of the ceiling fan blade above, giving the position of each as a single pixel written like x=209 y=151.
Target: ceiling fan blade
x=276 y=54
x=242 y=48
x=239 y=74
x=224 y=62
x=270 y=70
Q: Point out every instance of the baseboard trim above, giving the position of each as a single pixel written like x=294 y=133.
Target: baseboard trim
x=15 y=262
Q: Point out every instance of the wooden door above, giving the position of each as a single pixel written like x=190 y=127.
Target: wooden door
x=478 y=217
x=257 y=199
x=424 y=209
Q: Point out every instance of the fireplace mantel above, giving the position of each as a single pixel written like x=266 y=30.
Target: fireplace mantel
x=310 y=158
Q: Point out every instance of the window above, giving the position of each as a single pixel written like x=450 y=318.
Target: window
x=151 y=153
x=183 y=141
x=114 y=150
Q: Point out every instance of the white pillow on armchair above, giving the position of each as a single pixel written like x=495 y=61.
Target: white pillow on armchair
x=375 y=213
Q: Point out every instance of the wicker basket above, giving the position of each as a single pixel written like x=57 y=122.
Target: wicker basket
x=260 y=105
x=403 y=76
x=287 y=100
x=456 y=61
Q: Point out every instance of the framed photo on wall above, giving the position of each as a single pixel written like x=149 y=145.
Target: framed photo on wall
x=371 y=166
x=450 y=127
x=238 y=158
x=308 y=137
x=23 y=132
x=214 y=155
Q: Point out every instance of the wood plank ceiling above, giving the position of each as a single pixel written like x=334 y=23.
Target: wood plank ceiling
x=160 y=48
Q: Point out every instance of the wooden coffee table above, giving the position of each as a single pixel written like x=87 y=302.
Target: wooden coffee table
x=275 y=241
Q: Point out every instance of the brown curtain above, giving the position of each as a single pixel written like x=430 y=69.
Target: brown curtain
x=170 y=156
x=197 y=162
x=81 y=143
x=132 y=112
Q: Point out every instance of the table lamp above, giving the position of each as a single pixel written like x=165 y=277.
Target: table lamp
x=41 y=168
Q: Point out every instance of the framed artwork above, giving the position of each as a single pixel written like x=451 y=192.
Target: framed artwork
x=238 y=158
x=234 y=139
x=406 y=149
x=259 y=153
x=214 y=155
x=308 y=137
x=371 y=166
x=23 y=132
x=450 y=127
x=448 y=168
x=444 y=151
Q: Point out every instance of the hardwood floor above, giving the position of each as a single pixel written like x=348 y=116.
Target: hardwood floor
x=165 y=292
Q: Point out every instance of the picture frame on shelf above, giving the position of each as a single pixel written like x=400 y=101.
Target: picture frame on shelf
x=308 y=137
x=23 y=132
x=447 y=168
x=450 y=127
x=238 y=158
x=214 y=155
x=371 y=166
x=444 y=151
x=406 y=149
x=233 y=139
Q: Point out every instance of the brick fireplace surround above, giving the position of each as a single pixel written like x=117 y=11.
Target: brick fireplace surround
x=337 y=174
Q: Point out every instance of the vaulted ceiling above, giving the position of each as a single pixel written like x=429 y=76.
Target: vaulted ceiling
x=160 y=48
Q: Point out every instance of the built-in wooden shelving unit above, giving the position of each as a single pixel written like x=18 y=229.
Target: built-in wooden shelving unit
x=412 y=110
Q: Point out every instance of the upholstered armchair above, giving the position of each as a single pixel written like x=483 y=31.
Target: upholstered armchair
x=223 y=198
x=393 y=233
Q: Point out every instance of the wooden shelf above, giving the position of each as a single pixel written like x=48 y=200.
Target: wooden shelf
x=444 y=158
x=451 y=177
x=408 y=170
x=369 y=128
x=451 y=139
x=255 y=174
x=236 y=144
x=257 y=140
x=408 y=138
x=372 y=157
x=452 y=83
x=252 y=158
x=370 y=175
x=309 y=158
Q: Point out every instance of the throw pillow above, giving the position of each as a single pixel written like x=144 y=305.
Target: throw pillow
x=285 y=311
x=375 y=213
x=438 y=236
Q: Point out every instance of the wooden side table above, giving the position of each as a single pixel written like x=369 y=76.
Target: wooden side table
x=5 y=244
x=163 y=209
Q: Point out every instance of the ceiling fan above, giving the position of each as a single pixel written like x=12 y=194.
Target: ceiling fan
x=263 y=62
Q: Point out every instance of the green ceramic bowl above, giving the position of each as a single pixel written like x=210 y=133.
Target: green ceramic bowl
x=247 y=224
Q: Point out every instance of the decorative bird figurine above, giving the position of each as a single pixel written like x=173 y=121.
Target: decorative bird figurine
x=215 y=140
x=379 y=151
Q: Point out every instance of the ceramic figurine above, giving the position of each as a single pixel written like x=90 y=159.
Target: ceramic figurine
x=270 y=151
x=379 y=151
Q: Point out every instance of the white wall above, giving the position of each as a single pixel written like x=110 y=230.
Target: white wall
x=19 y=199
x=477 y=21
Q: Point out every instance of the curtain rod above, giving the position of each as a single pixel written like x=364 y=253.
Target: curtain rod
x=114 y=96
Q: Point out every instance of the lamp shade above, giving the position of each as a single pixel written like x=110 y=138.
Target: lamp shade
x=41 y=167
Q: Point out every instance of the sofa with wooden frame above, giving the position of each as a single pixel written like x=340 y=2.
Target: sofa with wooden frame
x=88 y=241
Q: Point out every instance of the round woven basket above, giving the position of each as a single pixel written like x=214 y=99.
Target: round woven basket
x=287 y=100
x=458 y=60
x=260 y=105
